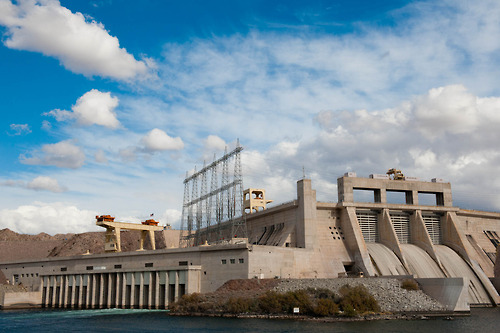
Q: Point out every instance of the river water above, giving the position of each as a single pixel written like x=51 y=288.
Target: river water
x=118 y=320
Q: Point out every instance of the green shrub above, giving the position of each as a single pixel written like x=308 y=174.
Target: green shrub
x=359 y=299
x=240 y=305
x=349 y=310
x=271 y=302
x=409 y=284
x=188 y=303
x=297 y=299
x=326 y=307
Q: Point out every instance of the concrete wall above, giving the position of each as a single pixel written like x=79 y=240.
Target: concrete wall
x=21 y=300
x=451 y=292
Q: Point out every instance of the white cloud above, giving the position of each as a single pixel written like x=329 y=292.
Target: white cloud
x=44 y=183
x=100 y=157
x=214 y=143
x=172 y=217
x=81 y=45
x=158 y=140
x=93 y=108
x=46 y=125
x=52 y=218
x=423 y=159
x=40 y=183
x=19 y=129
x=96 y=107
x=63 y=154
x=60 y=115
x=446 y=109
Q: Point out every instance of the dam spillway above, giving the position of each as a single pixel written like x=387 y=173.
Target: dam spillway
x=384 y=260
x=455 y=266
x=420 y=263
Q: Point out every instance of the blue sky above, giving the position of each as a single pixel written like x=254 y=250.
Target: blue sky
x=107 y=104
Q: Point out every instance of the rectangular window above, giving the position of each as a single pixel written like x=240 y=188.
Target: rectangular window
x=224 y=261
x=89 y=268
x=148 y=264
x=64 y=269
x=118 y=266
x=183 y=263
x=233 y=261
x=241 y=260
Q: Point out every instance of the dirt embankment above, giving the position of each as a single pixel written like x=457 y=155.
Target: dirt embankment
x=251 y=288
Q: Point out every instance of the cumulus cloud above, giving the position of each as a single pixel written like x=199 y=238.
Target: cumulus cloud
x=44 y=183
x=452 y=109
x=63 y=154
x=172 y=217
x=40 y=183
x=93 y=108
x=213 y=142
x=52 y=218
x=81 y=45
x=19 y=129
x=158 y=140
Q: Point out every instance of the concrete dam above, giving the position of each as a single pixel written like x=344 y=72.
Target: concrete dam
x=363 y=234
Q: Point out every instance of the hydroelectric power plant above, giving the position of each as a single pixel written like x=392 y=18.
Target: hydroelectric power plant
x=231 y=233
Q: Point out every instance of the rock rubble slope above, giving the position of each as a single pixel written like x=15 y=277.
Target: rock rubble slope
x=388 y=292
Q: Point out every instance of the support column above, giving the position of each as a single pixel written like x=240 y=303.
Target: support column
x=141 y=289
x=110 y=289
x=64 y=292
x=177 y=291
x=124 y=290
x=88 y=296
x=132 y=291
x=152 y=239
x=100 y=303
x=44 y=295
x=93 y=297
x=150 y=290
x=118 y=239
x=157 y=289
x=167 y=288
x=54 y=287
x=80 y=291
x=143 y=237
x=71 y=298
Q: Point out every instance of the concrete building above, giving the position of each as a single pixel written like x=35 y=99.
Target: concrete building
x=379 y=227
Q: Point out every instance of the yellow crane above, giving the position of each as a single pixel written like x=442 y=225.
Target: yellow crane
x=396 y=174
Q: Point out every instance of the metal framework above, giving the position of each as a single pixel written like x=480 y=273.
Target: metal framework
x=206 y=216
x=368 y=222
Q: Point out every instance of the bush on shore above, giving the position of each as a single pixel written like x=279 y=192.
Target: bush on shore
x=409 y=284
x=313 y=302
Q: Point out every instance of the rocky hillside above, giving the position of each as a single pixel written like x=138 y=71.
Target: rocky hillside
x=14 y=246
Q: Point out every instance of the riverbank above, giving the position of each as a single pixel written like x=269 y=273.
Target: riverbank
x=342 y=299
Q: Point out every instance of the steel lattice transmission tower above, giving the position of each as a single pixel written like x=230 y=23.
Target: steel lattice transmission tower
x=218 y=215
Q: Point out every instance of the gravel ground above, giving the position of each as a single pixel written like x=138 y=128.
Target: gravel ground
x=388 y=292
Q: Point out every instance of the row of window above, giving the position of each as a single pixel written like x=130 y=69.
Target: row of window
x=232 y=261
x=29 y=275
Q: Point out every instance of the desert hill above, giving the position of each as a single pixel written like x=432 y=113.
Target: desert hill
x=14 y=246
